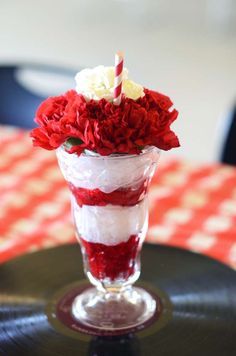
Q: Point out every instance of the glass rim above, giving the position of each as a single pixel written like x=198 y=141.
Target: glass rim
x=116 y=156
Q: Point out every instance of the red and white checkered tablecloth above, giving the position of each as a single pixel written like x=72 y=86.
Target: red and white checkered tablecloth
x=191 y=206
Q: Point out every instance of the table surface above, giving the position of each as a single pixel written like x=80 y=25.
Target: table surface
x=192 y=206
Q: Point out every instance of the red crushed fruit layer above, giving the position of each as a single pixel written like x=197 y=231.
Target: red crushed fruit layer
x=122 y=196
x=112 y=262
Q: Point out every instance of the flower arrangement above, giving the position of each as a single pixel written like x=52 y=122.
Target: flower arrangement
x=87 y=119
x=108 y=114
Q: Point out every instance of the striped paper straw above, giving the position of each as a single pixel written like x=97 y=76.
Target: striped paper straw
x=119 y=61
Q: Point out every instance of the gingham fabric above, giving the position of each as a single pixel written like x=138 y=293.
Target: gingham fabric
x=191 y=206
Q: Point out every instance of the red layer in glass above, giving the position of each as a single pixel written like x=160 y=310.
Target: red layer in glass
x=112 y=262
x=122 y=196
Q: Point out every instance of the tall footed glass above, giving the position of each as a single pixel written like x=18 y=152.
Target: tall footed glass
x=110 y=210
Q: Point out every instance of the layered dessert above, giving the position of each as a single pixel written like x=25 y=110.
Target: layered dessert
x=107 y=154
x=109 y=207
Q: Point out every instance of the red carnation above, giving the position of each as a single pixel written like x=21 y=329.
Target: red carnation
x=103 y=127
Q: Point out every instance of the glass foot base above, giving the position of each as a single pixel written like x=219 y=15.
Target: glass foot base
x=114 y=310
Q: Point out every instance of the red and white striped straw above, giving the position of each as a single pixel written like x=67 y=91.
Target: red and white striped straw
x=119 y=61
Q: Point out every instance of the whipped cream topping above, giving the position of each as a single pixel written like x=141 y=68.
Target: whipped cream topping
x=107 y=173
x=112 y=224
x=97 y=83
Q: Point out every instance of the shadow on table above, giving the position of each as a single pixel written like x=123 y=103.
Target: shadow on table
x=125 y=345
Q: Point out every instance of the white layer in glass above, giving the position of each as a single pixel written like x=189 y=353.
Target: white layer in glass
x=107 y=173
x=110 y=224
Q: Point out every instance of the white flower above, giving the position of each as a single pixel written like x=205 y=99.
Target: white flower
x=98 y=83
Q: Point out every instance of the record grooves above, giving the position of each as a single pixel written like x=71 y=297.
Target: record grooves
x=197 y=293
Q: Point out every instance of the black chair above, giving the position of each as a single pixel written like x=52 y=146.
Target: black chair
x=228 y=154
x=24 y=86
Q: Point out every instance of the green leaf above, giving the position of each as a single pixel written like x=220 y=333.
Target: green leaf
x=72 y=141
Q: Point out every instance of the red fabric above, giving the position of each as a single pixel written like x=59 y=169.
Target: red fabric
x=191 y=206
x=112 y=261
x=123 y=196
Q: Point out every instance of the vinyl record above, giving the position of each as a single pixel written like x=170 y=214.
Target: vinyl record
x=198 y=297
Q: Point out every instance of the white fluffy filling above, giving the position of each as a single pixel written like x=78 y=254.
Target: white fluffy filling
x=112 y=224
x=104 y=173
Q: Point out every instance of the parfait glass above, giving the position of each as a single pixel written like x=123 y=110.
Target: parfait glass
x=109 y=199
